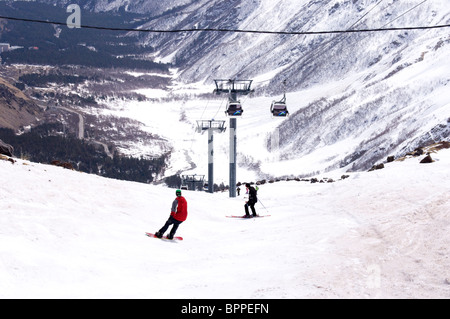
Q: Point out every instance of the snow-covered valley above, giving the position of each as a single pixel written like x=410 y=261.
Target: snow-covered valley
x=354 y=98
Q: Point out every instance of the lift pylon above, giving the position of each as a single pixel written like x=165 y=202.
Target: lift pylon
x=233 y=88
x=211 y=126
x=192 y=182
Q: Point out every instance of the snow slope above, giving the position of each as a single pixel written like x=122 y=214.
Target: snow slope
x=383 y=234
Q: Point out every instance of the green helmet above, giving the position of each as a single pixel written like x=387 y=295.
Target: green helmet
x=178 y=192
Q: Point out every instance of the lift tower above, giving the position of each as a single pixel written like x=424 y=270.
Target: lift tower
x=233 y=88
x=211 y=126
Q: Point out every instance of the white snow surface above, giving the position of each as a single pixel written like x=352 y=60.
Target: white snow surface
x=380 y=234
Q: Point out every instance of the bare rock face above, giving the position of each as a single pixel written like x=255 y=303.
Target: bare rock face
x=16 y=109
x=427 y=159
x=6 y=149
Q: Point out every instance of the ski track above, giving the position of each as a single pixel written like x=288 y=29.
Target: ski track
x=381 y=234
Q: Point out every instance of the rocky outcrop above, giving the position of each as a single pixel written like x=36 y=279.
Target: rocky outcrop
x=6 y=149
x=16 y=109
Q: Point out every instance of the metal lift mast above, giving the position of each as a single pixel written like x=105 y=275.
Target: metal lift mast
x=233 y=88
x=211 y=126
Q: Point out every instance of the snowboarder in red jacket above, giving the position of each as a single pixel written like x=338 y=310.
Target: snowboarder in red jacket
x=178 y=214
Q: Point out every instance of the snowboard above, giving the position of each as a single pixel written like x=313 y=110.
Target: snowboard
x=164 y=237
x=243 y=217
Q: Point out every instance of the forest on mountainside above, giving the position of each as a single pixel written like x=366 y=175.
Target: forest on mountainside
x=57 y=45
x=47 y=143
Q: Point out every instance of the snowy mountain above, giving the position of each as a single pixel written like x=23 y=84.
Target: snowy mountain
x=354 y=98
x=381 y=234
x=149 y=7
x=357 y=97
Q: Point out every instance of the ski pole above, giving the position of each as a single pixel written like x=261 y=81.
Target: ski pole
x=263 y=205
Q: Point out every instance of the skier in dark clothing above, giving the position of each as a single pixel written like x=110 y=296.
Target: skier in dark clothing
x=178 y=214
x=252 y=200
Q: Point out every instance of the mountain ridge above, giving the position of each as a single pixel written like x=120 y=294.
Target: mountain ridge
x=354 y=99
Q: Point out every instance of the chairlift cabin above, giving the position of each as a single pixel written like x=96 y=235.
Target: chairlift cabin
x=234 y=108
x=279 y=108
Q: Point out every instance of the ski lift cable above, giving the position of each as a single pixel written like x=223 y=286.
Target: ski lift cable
x=201 y=117
x=307 y=22
x=349 y=29
x=364 y=15
x=220 y=107
x=404 y=13
x=339 y=38
x=382 y=29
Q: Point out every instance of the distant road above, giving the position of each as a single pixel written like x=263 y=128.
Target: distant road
x=105 y=147
x=80 y=122
x=81 y=129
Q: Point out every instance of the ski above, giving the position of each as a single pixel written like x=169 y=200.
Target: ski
x=164 y=237
x=244 y=217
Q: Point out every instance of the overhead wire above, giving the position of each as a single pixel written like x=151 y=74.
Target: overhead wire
x=364 y=15
x=223 y=30
x=204 y=110
x=337 y=39
x=190 y=30
x=220 y=106
x=404 y=13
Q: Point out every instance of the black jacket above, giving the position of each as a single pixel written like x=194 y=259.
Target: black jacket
x=252 y=197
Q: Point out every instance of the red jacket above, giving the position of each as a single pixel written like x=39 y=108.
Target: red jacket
x=179 y=209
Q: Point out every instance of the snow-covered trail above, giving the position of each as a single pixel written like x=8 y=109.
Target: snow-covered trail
x=66 y=234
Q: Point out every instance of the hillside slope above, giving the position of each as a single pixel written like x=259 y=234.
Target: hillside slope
x=383 y=234
x=16 y=109
x=354 y=98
